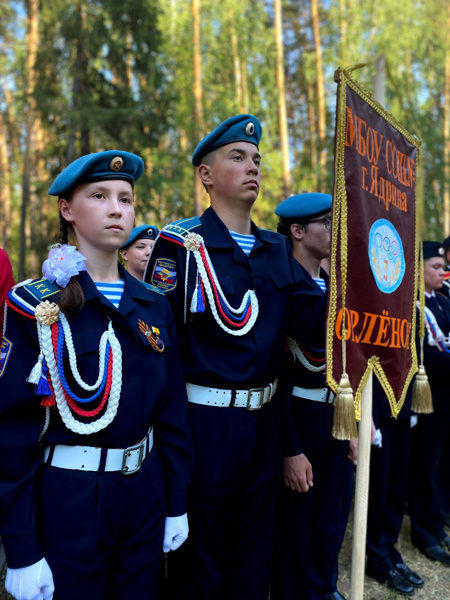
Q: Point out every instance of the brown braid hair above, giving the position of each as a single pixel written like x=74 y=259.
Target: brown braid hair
x=71 y=298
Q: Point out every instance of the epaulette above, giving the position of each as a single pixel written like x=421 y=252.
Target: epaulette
x=42 y=289
x=152 y=288
x=37 y=290
x=176 y=232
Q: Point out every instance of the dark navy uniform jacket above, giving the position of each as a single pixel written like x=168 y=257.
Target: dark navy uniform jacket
x=289 y=302
x=153 y=394
x=437 y=363
x=302 y=377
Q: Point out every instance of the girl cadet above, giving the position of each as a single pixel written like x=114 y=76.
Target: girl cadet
x=136 y=251
x=95 y=448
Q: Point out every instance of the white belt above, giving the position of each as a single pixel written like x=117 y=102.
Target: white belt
x=252 y=399
x=316 y=394
x=87 y=458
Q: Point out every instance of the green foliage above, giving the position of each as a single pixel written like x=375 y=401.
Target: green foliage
x=116 y=74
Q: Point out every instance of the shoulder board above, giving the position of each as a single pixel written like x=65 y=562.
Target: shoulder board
x=187 y=224
x=175 y=232
x=42 y=288
x=152 y=288
x=20 y=301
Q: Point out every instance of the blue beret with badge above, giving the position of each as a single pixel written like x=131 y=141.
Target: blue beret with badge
x=99 y=166
x=302 y=206
x=143 y=232
x=432 y=250
x=241 y=128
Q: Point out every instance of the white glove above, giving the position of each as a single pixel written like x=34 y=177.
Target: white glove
x=31 y=583
x=413 y=420
x=176 y=531
x=378 y=439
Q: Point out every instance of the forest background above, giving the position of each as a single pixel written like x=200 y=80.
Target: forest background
x=154 y=76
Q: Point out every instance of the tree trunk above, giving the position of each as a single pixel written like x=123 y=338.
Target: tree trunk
x=5 y=188
x=30 y=109
x=282 y=119
x=78 y=126
x=343 y=32
x=312 y=134
x=236 y=61
x=321 y=123
x=12 y=128
x=198 y=104
x=447 y=134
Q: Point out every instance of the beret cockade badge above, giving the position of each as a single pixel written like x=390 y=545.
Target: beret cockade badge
x=116 y=164
x=250 y=129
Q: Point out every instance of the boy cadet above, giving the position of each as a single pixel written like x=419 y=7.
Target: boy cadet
x=237 y=291
x=317 y=470
x=432 y=432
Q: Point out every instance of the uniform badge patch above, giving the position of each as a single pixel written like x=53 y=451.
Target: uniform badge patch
x=5 y=352
x=164 y=274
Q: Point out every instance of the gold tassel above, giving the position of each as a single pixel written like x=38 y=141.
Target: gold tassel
x=344 y=422
x=422 y=402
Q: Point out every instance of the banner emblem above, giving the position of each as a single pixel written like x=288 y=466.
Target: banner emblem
x=387 y=260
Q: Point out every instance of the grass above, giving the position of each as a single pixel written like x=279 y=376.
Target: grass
x=435 y=575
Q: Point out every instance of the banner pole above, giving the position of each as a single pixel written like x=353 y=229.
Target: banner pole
x=362 y=493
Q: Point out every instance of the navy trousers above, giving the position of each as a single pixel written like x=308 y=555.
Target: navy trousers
x=387 y=494
x=232 y=502
x=428 y=442
x=309 y=525
x=102 y=533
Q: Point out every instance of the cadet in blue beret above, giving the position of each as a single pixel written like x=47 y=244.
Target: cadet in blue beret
x=430 y=437
x=236 y=290
x=138 y=248
x=317 y=472
x=95 y=446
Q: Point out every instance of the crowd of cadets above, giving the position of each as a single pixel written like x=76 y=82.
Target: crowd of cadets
x=217 y=356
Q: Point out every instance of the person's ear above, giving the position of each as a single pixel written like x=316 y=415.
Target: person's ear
x=65 y=209
x=204 y=172
x=297 y=231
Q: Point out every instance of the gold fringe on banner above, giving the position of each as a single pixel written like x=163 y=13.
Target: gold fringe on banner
x=344 y=426
x=422 y=402
x=344 y=422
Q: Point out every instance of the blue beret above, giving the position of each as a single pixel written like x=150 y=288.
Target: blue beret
x=241 y=128
x=304 y=205
x=143 y=232
x=112 y=164
x=432 y=249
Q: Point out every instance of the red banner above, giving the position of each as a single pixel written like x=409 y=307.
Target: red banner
x=373 y=279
